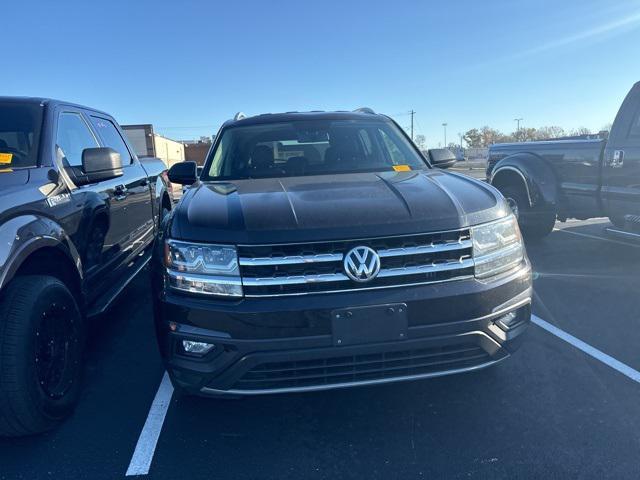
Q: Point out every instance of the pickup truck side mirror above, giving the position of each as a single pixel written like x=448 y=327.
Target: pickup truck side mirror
x=101 y=163
x=183 y=173
x=442 y=157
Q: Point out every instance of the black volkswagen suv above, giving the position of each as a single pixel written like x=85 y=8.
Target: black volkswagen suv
x=322 y=250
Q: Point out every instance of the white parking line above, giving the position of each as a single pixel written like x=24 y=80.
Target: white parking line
x=596 y=237
x=146 y=446
x=588 y=349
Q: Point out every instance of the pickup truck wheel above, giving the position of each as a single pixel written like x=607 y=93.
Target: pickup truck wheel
x=41 y=347
x=535 y=223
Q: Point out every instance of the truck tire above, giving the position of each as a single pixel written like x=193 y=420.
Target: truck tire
x=534 y=222
x=41 y=349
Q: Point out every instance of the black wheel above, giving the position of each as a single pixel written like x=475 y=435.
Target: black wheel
x=534 y=222
x=41 y=347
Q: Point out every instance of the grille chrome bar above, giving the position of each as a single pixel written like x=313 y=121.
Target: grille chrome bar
x=425 y=249
x=316 y=267
x=340 y=277
x=428 y=268
x=338 y=257
x=290 y=260
x=294 y=280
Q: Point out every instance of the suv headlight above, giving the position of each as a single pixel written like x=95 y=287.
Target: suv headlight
x=203 y=268
x=497 y=247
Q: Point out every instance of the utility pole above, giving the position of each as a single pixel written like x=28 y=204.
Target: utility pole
x=518 y=120
x=412 y=113
x=445 y=134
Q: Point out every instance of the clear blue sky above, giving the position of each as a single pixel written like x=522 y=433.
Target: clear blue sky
x=186 y=66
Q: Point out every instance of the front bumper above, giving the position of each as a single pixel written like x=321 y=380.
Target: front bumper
x=286 y=344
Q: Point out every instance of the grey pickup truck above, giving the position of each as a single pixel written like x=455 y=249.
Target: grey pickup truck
x=78 y=215
x=581 y=179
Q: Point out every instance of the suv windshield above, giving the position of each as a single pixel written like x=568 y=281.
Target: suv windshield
x=316 y=147
x=19 y=134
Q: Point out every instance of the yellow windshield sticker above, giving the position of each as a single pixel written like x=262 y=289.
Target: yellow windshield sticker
x=5 y=158
x=402 y=168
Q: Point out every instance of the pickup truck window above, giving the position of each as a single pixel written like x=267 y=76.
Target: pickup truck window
x=302 y=148
x=19 y=135
x=111 y=137
x=73 y=137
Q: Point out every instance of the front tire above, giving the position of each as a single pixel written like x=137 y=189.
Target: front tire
x=534 y=222
x=41 y=348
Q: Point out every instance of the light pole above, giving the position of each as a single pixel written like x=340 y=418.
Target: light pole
x=518 y=120
x=412 y=113
x=445 y=134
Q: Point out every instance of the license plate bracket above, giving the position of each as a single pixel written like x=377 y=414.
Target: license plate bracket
x=379 y=323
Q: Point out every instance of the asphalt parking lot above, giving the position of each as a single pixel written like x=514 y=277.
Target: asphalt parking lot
x=564 y=406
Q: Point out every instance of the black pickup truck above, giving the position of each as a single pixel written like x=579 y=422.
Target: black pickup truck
x=322 y=250
x=78 y=215
x=580 y=179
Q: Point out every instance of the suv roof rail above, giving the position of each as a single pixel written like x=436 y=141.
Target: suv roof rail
x=364 y=110
x=239 y=116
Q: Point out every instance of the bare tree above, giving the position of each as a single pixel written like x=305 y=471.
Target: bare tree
x=545 y=133
x=581 y=131
x=420 y=141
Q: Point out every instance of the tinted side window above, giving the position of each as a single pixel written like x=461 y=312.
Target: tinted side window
x=19 y=134
x=111 y=137
x=73 y=137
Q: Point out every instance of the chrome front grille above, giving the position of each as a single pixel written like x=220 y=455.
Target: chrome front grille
x=318 y=267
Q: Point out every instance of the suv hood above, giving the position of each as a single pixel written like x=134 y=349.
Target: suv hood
x=326 y=207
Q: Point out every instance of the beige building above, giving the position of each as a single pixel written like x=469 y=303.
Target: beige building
x=147 y=143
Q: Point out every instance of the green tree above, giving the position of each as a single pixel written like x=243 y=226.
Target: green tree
x=473 y=138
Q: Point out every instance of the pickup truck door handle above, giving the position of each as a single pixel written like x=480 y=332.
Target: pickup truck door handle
x=120 y=192
x=618 y=159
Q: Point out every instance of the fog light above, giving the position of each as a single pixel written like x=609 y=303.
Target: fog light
x=509 y=320
x=197 y=348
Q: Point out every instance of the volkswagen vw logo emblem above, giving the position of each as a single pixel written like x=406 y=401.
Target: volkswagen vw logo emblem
x=361 y=264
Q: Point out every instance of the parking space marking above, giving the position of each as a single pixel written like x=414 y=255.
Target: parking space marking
x=588 y=349
x=596 y=237
x=146 y=446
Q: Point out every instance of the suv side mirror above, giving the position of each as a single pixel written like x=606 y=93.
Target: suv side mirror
x=183 y=173
x=101 y=163
x=442 y=157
